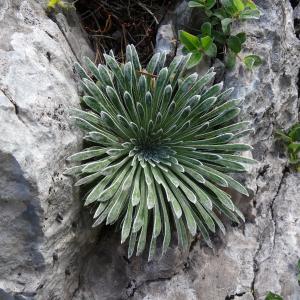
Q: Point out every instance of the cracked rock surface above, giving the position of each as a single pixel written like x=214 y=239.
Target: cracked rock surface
x=40 y=229
x=47 y=248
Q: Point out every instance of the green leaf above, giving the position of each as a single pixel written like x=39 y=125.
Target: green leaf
x=87 y=154
x=81 y=72
x=206 y=42
x=203 y=230
x=242 y=37
x=219 y=37
x=127 y=223
x=239 y=5
x=282 y=136
x=207 y=4
x=230 y=60
x=211 y=51
x=230 y=7
x=220 y=13
x=226 y=25
x=294 y=147
x=294 y=133
x=210 y=4
x=249 y=14
x=206 y=29
x=272 y=296
x=195 y=58
x=227 y=147
x=143 y=235
x=250 y=4
x=191 y=42
x=88 y=179
x=132 y=242
x=234 y=44
x=196 y=4
x=251 y=61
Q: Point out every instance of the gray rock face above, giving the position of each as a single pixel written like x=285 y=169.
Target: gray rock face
x=49 y=251
x=41 y=235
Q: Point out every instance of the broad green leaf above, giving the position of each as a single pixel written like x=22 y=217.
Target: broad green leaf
x=209 y=4
x=191 y=42
x=219 y=37
x=206 y=42
x=294 y=147
x=294 y=133
x=250 y=4
x=230 y=60
x=230 y=7
x=206 y=29
x=196 y=4
x=239 y=5
x=242 y=37
x=195 y=58
x=211 y=51
x=250 y=14
x=273 y=296
x=234 y=44
x=251 y=61
x=283 y=136
x=220 y=13
x=225 y=25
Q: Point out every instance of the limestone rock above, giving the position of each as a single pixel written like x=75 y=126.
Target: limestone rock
x=41 y=232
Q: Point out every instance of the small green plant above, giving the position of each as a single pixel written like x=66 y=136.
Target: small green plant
x=215 y=36
x=272 y=296
x=291 y=140
x=161 y=147
x=55 y=4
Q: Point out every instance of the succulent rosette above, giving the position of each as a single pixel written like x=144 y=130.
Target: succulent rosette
x=161 y=147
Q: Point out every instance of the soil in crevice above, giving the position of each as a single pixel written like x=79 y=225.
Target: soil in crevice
x=113 y=24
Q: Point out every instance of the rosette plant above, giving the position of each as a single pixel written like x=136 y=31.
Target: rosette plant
x=161 y=145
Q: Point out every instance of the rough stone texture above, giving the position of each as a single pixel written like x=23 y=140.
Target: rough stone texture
x=47 y=251
x=41 y=235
